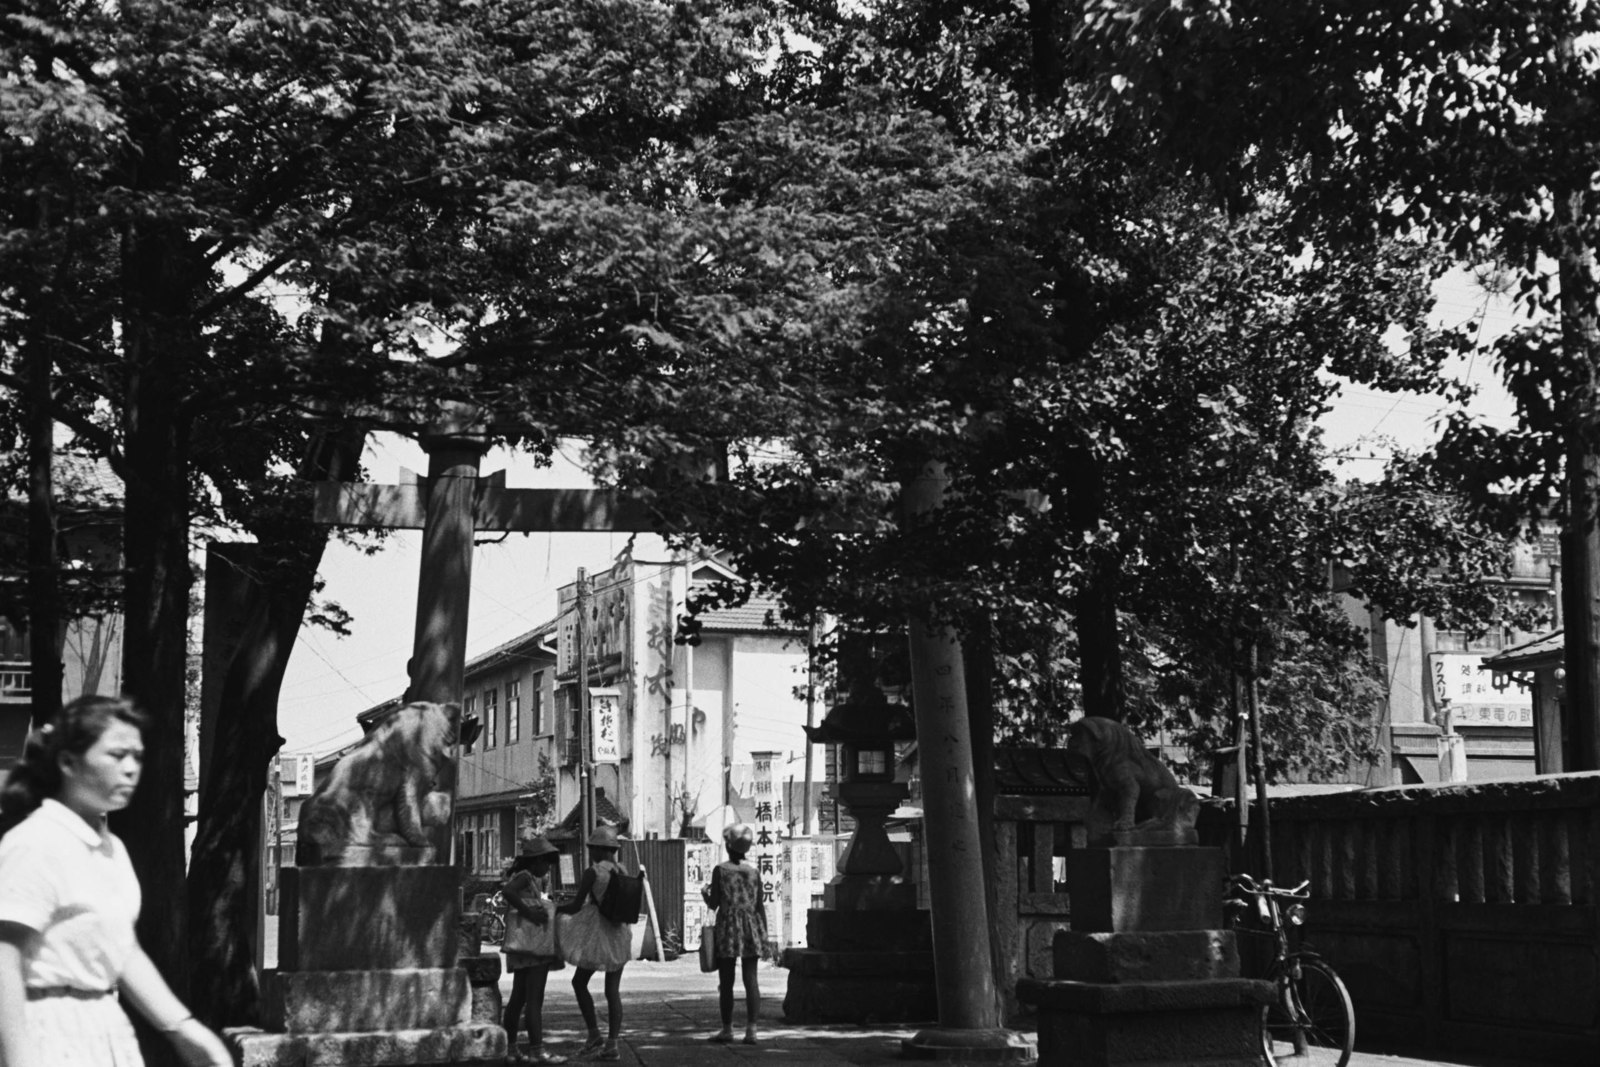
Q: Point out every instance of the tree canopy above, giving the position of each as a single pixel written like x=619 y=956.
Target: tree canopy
x=769 y=259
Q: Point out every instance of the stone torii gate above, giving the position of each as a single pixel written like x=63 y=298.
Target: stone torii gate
x=450 y=506
x=368 y=970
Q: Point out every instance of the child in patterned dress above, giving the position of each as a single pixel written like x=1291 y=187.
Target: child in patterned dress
x=741 y=930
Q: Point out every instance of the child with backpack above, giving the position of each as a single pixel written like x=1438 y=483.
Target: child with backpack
x=591 y=942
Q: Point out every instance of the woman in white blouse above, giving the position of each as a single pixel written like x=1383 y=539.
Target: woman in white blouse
x=69 y=898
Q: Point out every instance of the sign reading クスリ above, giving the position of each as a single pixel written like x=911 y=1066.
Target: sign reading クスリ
x=1476 y=695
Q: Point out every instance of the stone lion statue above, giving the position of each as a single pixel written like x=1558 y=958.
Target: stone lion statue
x=1133 y=797
x=384 y=794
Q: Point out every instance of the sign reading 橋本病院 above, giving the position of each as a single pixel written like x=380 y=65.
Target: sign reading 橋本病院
x=769 y=837
x=605 y=724
x=1478 y=696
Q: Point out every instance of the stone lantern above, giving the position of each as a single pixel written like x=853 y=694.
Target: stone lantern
x=866 y=728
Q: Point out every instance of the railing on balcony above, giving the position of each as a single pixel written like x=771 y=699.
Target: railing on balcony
x=16 y=682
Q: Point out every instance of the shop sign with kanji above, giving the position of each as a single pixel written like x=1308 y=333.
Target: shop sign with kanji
x=1476 y=695
x=605 y=718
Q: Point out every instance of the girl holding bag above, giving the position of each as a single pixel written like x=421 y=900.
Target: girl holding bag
x=530 y=947
x=740 y=936
x=591 y=942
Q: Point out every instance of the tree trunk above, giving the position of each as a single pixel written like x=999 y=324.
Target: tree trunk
x=1094 y=607
x=155 y=649
x=161 y=341
x=224 y=873
x=978 y=649
x=44 y=563
x=1580 y=542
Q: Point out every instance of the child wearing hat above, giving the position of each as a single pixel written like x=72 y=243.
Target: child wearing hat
x=527 y=891
x=591 y=942
x=741 y=930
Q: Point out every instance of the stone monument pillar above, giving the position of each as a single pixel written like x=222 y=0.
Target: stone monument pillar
x=1146 y=975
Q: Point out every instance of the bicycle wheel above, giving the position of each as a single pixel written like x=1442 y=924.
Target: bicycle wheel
x=1312 y=1021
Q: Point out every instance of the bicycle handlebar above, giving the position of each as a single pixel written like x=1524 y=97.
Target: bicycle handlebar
x=1266 y=888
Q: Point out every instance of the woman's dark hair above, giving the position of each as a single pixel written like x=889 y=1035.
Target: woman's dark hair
x=74 y=731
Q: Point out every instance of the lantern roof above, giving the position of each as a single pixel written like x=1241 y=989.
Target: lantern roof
x=866 y=718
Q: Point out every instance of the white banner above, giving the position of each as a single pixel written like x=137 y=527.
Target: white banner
x=605 y=725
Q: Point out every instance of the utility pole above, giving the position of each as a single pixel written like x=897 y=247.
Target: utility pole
x=811 y=715
x=585 y=772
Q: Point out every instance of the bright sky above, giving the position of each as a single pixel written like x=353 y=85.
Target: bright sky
x=514 y=581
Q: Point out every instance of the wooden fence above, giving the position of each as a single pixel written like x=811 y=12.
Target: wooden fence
x=1464 y=917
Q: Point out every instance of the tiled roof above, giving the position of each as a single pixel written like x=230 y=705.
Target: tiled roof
x=1034 y=772
x=511 y=647
x=1545 y=646
x=83 y=481
x=605 y=813
x=750 y=617
x=86 y=479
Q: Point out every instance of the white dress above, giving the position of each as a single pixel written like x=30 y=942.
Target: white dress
x=588 y=939
x=73 y=886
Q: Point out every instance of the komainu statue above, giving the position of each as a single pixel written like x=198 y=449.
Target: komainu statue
x=1133 y=797
x=382 y=799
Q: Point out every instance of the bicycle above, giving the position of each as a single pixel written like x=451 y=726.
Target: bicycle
x=492 y=920
x=1311 y=1018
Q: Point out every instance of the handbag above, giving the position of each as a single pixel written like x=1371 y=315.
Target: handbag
x=708 y=949
x=532 y=938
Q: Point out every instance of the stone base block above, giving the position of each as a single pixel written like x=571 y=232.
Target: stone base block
x=369 y=1001
x=1167 y=956
x=896 y=930
x=848 y=892
x=398 y=1048
x=969 y=1046
x=1120 y=889
x=368 y=918
x=483 y=974
x=846 y=991
x=819 y=963
x=1213 y=1023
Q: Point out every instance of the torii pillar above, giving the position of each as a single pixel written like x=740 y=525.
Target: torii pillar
x=970 y=1027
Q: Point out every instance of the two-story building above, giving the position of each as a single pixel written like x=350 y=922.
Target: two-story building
x=89 y=539
x=674 y=730
x=691 y=718
x=1445 y=713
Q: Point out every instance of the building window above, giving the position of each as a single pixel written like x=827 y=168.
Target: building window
x=513 y=712
x=491 y=716
x=468 y=706
x=536 y=723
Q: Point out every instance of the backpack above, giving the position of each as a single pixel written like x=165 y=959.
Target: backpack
x=624 y=897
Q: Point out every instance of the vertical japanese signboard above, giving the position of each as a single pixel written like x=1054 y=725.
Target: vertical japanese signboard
x=769 y=841
x=605 y=724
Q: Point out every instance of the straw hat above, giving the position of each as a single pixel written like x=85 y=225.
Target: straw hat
x=536 y=846
x=603 y=837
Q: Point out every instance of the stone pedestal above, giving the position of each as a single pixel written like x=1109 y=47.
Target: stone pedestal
x=368 y=975
x=870 y=965
x=1146 y=977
